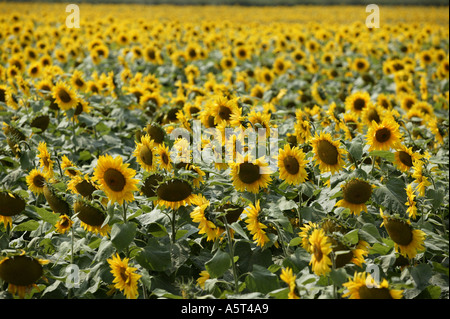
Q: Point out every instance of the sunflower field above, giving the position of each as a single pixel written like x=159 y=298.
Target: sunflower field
x=114 y=183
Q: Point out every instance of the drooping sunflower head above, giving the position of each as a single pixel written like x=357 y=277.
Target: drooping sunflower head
x=408 y=241
x=327 y=153
x=174 y=193
x=356 y=193
x=11 y=204
x=55 y=200
x=21 y=272
x=384 y=136
x=363 y=286
x=150 y=184
x=92 y=217
x=115 y=178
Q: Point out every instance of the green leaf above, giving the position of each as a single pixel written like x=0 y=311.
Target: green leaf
x=218 y=264
x=356 y=149
x=84 y=156
x=261 y=280
x=351 y=238
x=339 y=276
x=122 y=235
x=29 y=225
x=421 y=274
x=369 y=233
x=154 y=256
x=384 y=154
x=392 y=195
x=47 y=216
x=157 y=230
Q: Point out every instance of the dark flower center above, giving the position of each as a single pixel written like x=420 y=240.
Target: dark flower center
x=383 y=135
x=405 y=158
x=399 y=232
x=114 y=179
x=359 y=104
x=249 y=173
x=357 y=192
x=291 y=165
x=174 y=190
x=64 y=96
x=327 y=152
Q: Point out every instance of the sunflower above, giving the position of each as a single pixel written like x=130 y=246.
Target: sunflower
x=372 y=113
x=204 y=276
x=356 y=102
x=288 y=277
x=384 y=136
x=145 y=153
x=407 y=101
x=92 y=217
x=222 y=109
x=250 y=176
x=45 y=160
x=10 y=205
x=327 y=153
x=320 y=251
x=64 y=96
x=125 y=277
x=363 y=286
x=405 y=157
x=36 y=181
x=164 y=160
x=360 y=65
x=69 y=167
x=291 y=162
x=21 y=272
x=255 y=227
x=64 y=224
x=205 y=225
x=412 y=207
x=81 y=185
x=174 y=193
x=306 y=232
x=421 y=181
x=408 y=241
x=356 y=193
x=55 y=200
x=115 y=179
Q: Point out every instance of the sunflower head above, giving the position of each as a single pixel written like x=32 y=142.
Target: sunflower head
x=56 y=202
x=356 y=193
x=327 y=153
x=115 y=178
x=385 y=135
x=21 y=272
x=174 y=193
x=92 y=217
x=64 y=97
x=11 y=204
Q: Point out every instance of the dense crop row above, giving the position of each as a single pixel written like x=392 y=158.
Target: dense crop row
x=120 y=179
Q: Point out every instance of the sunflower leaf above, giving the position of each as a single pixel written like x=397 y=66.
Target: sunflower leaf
x=392 y=195
x=218 y=264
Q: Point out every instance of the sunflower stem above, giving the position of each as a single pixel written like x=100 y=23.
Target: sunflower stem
x=231 y=250
x=172 y=221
